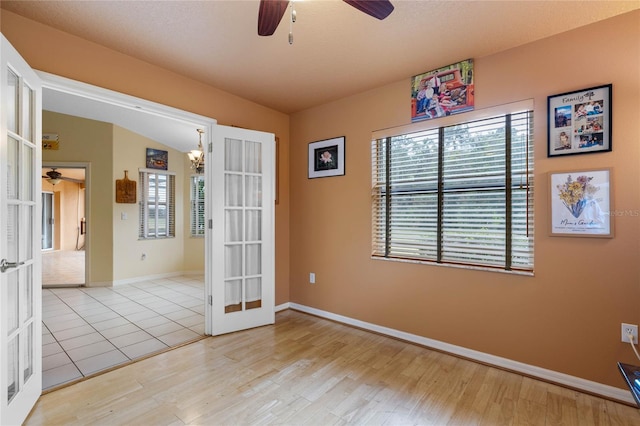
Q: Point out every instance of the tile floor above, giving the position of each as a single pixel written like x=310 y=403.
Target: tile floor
x=63 y=267
x=85 y=330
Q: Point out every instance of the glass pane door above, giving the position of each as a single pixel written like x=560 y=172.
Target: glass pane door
x=243 y=241
x=20 y=204
x=243 y=290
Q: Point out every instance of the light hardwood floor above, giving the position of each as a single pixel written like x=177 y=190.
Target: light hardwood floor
x=307 y=370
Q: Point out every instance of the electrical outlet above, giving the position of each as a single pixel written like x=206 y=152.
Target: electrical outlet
x=629 y=329
x=312 y=278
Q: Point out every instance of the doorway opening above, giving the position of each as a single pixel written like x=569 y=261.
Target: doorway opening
x=64 y=225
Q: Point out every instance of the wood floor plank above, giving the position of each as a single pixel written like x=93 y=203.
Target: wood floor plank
x=308 y=371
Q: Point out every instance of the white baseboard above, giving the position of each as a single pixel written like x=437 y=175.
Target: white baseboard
x=573 y=382
x=193 y=272
x=100 y=284
x=147 y=278
x=282 y=307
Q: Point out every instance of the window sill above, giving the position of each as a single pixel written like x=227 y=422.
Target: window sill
x=453 y=265
x=155 y=238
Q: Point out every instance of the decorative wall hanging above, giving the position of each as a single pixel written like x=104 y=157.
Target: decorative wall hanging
x=581 y=203
x=444 y=91
x=326 y=158
x=125 y=189
x=50 y=141
x=157 y=159
x=579 y=122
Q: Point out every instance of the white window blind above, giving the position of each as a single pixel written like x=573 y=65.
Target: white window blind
x=459 y=194
x=157 y=204
x=197 y=206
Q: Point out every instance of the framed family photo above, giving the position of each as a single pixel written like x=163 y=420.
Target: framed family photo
x=326 y=158
x=579 y=122
x=443 y=91
x=581 y=204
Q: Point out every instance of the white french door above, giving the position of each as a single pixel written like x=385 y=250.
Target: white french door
x=241 y=173
x=20 y=234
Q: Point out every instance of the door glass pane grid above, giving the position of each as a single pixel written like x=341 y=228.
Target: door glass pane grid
x=243 y=225
x=253 y=225
x=26 y=293
x=233 y=225
x=13 y=371
x=12 y=315
x=27 y=353
x=233 y=260
x=253 y=262
x=232 y=296
x=233 y=190
x=254 y=293
x=27 y=192
x=12 y=232
x=233 y=155
x=12 y=168
x=253 y=157
x=253 y=191
x=26 y=230
x=27 y=112
x=13 y=83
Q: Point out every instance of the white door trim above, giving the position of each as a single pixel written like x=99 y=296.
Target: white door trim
x=145 y=110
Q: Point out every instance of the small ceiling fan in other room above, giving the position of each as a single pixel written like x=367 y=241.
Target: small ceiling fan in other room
x=271 y=12
x=54 y=177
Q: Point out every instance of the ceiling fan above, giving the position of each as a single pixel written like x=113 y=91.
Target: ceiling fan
x=54 y=177
x=271 y=12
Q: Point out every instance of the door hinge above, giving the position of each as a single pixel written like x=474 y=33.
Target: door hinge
x=210 y=300
x=210 y=223
x=210 y=147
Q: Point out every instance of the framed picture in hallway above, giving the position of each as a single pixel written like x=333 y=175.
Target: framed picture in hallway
x=326 y=158
x=579 y=122
x=157 y=159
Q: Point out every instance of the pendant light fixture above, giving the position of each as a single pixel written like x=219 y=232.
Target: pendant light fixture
x=196 y=156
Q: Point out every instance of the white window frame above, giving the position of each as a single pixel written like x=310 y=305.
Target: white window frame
x=407 y=234
x=147 y=232
x=197 y=206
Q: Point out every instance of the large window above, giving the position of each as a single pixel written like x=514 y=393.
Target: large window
x=157 y=204
x=458 y=195
x=197 y=205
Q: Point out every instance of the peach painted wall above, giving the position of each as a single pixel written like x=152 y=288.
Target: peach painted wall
x=567 y=317
x=48 y=49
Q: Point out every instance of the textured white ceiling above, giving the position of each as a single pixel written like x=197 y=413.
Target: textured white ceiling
x=337 y=50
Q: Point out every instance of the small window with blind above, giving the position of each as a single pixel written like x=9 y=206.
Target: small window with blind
x=157 y=204
x=197 y=206
x=457 y=195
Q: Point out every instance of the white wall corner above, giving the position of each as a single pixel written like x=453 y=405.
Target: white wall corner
x=282 y=307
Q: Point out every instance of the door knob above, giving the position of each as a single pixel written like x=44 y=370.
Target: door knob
x=4 y=265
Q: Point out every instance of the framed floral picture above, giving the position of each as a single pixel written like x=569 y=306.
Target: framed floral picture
x=579 y=122
x=326 y=158
x=581 y=203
